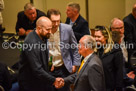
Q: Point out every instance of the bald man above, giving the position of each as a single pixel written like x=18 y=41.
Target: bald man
x=33 y=73
x=118 y=25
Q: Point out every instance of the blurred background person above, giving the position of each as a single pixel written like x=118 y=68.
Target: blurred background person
x=26 y=20
x=5 y=77
x=1 y=18
x=78 y=23
x=130 y=31
x=112 y=59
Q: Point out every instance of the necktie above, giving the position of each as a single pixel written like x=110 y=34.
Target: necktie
x=81 y=66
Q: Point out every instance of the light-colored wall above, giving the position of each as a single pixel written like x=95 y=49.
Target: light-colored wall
x=128 y=6
x=100 y=11
x=40 y=4
x=61 y=5
x=12 y=7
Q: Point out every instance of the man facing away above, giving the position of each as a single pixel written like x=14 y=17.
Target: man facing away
x=65 y=56
x=90 y=76
x=33 y=72
x=78 y=23
x=26 y=20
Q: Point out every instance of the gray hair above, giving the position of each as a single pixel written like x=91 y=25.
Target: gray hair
x=28 y=6
x=89 y=42
x=74 y=6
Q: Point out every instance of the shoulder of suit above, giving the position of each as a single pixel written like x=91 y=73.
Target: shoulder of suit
x=21 y=13
x=40 y=13
x=63 y=25
x=128 y=18
x=81 y=19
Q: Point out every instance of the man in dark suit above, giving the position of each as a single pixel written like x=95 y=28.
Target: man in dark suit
x=33 y=72
x=130 y=31
x=65 y=58
x=90 y=76
x=26 y=20
x=78 y=23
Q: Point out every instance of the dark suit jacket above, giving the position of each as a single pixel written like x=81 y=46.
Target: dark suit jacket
x=33 y=72
x=90 y=77
x=130 y=33
x=113 y=69
x=80 y=27
x=24 y=22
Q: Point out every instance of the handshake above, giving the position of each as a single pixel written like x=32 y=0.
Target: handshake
x=59 y=83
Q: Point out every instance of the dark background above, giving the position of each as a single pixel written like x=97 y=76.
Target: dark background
x=9 y=56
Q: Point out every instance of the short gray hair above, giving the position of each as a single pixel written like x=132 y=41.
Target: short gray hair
x=74 y=6
x=89 y=42
x=28 y=6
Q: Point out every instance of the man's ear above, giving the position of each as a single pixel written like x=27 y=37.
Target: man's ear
x=39 y=29
x=75 y=11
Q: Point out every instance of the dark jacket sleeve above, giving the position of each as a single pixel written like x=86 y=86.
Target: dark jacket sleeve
x=18 y=23
x=118 y=63
x=36 y=64
x=70 y=79
x=128 y=33
x=83 y=30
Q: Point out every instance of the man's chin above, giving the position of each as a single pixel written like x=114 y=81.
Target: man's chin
x=47 y=36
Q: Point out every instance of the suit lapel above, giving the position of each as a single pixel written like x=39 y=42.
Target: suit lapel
x=83 y=68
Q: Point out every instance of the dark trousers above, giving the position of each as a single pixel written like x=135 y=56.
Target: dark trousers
x=60 y=72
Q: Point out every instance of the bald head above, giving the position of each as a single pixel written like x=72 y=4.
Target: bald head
x=116 y=21
x=43 y=27
x=43 y=21
x=117 y=25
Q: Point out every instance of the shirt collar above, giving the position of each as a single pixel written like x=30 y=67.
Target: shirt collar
x=86 y=58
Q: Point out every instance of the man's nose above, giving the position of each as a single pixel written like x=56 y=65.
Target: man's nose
x=33 y=15
x=49 y=31
x=56 y=23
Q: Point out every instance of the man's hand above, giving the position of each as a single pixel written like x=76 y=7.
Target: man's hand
x=52 y=68
x=131 y=75
x=59 y=83
x=74 y=69
x=21 y=32
x=28 y=31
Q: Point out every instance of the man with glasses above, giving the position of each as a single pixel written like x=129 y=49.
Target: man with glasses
x=118 y=25
x=117 y=28
x=65 y=56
